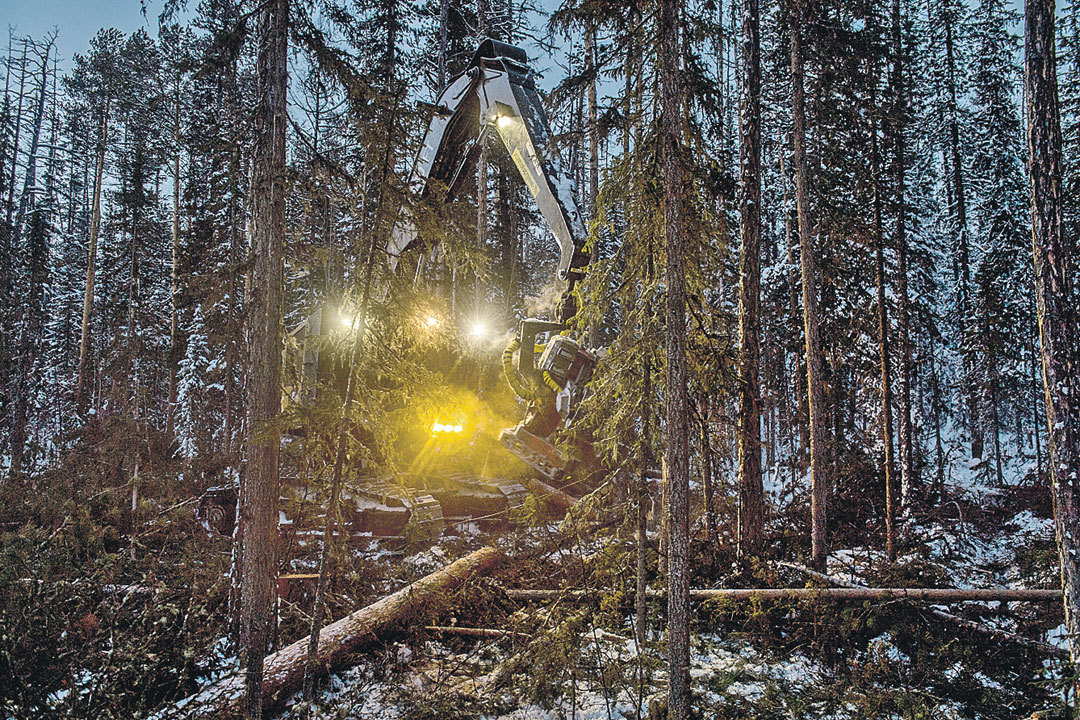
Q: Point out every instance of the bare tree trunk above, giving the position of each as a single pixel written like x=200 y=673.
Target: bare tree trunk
x=594 y=156
x=30 y=176
x=908 y=480
x=360 y=323
x=33 y=325
x=259 y=497
x=174 y=317
x=751 y=514
x=962 y=247
x=819 y=481
x=707 y=490
x=15 y=144
x=1054 y=293
x=935 y=413
x=678 y=450
x=444 y=23
x=91 y=261
x=884 y=353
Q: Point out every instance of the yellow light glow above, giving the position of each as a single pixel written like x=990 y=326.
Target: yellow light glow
x=438 y=427
x=504 y=120
x=432 y=321
x=479 y=329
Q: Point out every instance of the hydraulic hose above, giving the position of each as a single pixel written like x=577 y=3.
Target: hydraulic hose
x=511 y=374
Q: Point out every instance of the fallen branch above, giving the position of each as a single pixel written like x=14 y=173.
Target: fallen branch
x=851 y=594
x=340 y=641
x=985 y=630
x=493 y=633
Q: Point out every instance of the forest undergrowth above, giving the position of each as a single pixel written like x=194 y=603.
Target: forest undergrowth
x=91 y=628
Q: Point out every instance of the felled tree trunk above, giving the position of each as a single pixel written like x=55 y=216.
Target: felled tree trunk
x=283 y=671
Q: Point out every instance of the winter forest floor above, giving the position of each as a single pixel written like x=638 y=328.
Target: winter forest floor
x=79 y=642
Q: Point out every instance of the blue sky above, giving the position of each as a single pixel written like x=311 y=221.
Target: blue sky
x=76 y=20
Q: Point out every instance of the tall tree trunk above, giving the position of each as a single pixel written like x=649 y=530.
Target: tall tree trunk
x=677 y=451
x=819 y=481
x=30 y=176
x=641 y=606
x=444 y=24
x=360 y=323
x=883 y=342
x=91 y=260
x=594 y=156
x=33 y=324
x=962 y=246
x=1054 y=294
x=259 y=496
x=15 y=143
x=751 y=516
x=174 y=296
x=908 y=480
x=481 y=178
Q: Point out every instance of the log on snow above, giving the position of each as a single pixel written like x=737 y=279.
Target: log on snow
x=338 y=642
x=979 y=628
x=855 y=594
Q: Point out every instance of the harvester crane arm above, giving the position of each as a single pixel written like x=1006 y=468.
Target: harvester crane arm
x=498 y=90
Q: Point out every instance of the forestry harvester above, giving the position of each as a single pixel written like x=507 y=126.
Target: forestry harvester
x=543 y=364
x=498 y=91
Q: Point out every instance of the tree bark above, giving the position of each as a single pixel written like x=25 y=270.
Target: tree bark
x=1056 y=302
x=935 y=595
x=341 y=641
x=884 y=353
x=849 y=593
x=962 y=247
x=908 y=480
x=819 y=481
x=259 y=494
x=678 y=417
x=91 y=261
x=751 y=513
x=174 y=296
x=594 y=158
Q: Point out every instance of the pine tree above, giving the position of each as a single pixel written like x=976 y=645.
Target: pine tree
x=191 y=395
x=1000 y=316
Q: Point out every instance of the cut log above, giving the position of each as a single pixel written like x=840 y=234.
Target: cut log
x=979 y=628
x=850 y=594
x=370 y=626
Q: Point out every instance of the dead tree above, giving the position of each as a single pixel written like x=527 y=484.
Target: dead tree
x=33 y=324
x=1056 y=302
